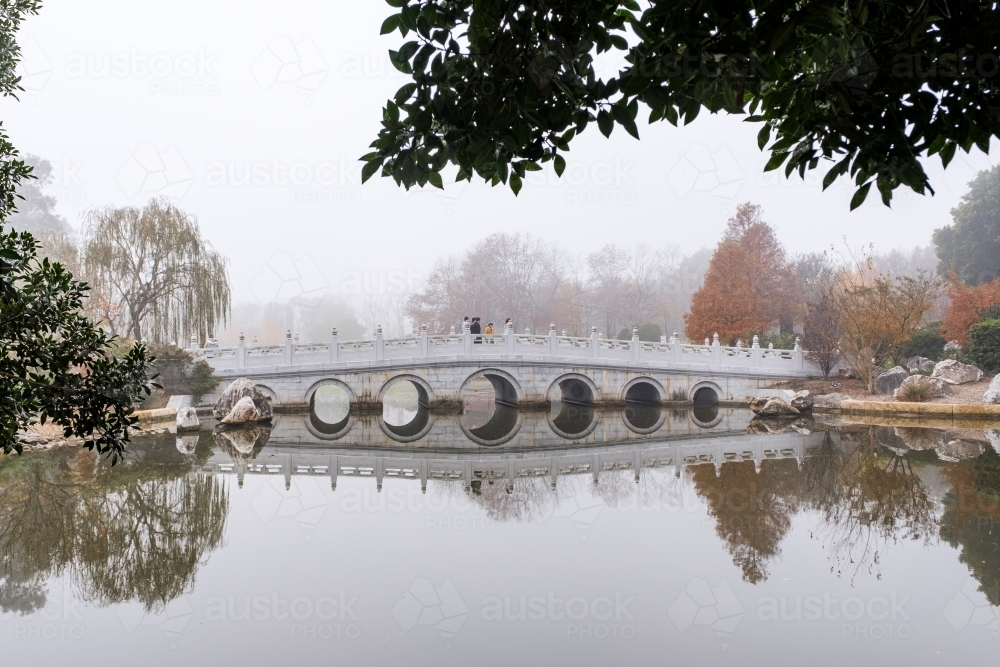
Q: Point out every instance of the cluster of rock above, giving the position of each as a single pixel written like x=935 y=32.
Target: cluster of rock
x=945 y=445
x=919 y=365
x=790 y=404
x=896 y=380
x=243 y=403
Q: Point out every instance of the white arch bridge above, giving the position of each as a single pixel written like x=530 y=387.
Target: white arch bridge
x=526 y=370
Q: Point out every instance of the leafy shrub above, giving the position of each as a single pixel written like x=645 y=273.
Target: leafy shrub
x=648 y=332
x=781 y=341
x=926 y=341
x=179 y=373
x=984 y=345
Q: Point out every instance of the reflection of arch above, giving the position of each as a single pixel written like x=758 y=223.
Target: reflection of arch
x=575 y=388
x=322 y=429
x=325 y=431
x=705 y=394
x=644 y=390
x=642 y=418
x=424 y=392
x=567 y=424
x=505 y=386
x=415 y=430
x=327 y=382
x=709 y=417
x=502 y=427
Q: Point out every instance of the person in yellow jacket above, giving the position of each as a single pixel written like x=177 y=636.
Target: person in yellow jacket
x=488 y=331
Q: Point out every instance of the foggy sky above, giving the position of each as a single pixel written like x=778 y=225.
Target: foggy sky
x=252 y=115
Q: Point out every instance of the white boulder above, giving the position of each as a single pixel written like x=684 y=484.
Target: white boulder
x=244 y=412
x=243 y=388
x=992 y=394
x=953 y=371
x=187 y=420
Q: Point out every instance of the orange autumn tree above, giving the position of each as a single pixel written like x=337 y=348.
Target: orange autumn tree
x=968 y=306
x=748 y=285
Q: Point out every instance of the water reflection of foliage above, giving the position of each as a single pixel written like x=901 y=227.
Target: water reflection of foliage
x=971 y=519
x=752 y=510
x=868 y=497
x=534 y=499
x=137 y=531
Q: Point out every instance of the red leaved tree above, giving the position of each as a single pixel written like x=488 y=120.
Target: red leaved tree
x=968 y=306
x=748 y=286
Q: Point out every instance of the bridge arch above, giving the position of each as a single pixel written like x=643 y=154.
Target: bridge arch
x=705 y=394
x=424 y=390
x=644 y=389
x=575 y=388
x=507 y=388
x=311 y=392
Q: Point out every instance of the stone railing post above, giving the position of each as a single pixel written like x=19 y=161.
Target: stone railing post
x=424 y=343
x=334 y=346
x=755 y=353
x=553 y=341
x=379 y=343
x=636 y=345
x=595 y=343
x=289 y=348
x=798 y=356
x=716 y=351
x=511 y=339
x=675 y=343
x=466 y=338
x=241 y=352
x=194 y=342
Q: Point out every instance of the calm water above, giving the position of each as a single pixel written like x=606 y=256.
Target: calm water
x=314 y=543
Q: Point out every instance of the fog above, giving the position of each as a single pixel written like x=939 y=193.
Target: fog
x=252 y=115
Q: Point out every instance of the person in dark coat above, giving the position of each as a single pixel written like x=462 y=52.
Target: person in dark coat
x=475 y=330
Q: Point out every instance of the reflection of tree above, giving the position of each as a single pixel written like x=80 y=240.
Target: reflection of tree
x=868 y=497
x=134 y=532
x=971 y=519
x=752 y=510
x=530 y=498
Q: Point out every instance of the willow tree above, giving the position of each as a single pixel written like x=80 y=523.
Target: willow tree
x=157 y=279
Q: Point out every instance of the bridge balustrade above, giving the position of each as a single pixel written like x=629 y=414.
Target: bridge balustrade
x=506 y=344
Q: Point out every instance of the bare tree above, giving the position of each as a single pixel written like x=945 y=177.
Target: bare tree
x=160 y=278
x=505 y=275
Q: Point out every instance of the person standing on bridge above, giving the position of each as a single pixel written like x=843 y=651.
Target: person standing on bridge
x=489 y=333
x=475 y=329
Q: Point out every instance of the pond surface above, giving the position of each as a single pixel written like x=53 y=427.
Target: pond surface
x=644 y=536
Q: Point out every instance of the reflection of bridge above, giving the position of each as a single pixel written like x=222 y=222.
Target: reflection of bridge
x=469 y=466
x=511 y=429
x=524 y=369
